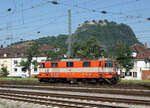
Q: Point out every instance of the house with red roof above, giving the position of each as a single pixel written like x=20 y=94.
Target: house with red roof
x=141 y=69
x=11 y=57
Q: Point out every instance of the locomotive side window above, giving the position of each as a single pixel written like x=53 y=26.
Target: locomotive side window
x=54 y=64
x=108 y=63
x=43 y=65
x=86 y=64
x=70 y=64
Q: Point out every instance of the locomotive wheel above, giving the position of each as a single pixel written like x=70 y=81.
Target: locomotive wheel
x=52 y=80
x=40 y=79
x=73 y=81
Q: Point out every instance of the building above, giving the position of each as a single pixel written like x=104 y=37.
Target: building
x=141 y=69
x=101 y=22
x=12 y=56
x=18 y=71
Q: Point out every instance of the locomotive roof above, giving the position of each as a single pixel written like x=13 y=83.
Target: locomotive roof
x=76 y=59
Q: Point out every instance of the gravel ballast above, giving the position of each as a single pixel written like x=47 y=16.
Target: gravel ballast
x=4 y=103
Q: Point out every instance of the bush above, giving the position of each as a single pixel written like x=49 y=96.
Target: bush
x=3 y=71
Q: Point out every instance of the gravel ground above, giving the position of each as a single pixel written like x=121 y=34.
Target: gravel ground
x=15 y=104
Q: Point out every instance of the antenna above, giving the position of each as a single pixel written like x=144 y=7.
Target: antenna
x=69 y=53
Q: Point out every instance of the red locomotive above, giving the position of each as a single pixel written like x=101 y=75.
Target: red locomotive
x=74 y=70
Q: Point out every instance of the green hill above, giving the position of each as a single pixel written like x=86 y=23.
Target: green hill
x=107 y=33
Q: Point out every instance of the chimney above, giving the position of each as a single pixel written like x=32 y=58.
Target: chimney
x=145 y=45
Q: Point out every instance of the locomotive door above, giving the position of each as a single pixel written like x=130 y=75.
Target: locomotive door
x=100 y=69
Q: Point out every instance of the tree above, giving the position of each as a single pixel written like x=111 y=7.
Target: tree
x=35 y=64
x=3 y=71
x=124 y=57
x=57 y=51
x=79 y=49
x=93 y=48
x=31 y=52
x=90 y=48
x=24 y=64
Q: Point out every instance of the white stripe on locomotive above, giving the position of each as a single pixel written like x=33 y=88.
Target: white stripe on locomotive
x=76 y=70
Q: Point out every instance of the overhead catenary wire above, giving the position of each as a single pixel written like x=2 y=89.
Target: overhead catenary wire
x=80 y=8
x=120 y=4
x=104 y=12
x=93 y=11
x=18 y=27
x=26 y=9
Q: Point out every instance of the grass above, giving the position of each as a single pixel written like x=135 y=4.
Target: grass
x=136 y=81
x=35 y=79
x=23 y=79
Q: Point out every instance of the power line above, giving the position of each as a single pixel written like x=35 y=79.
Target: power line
x=103 y=12
x=89 y=10
x=93 y=11
x=119 y=4
x=51 y=18
x=26 y=9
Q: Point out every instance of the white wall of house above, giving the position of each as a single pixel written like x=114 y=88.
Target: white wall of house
x=136 y=72
x=17 y=70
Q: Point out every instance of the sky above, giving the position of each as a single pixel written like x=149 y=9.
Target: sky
x=32 y=19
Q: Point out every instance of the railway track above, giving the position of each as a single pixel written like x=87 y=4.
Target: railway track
x=132 y=92
x=55 y=101
x=70 y=99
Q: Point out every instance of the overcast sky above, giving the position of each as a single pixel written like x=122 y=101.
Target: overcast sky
x=31 y=19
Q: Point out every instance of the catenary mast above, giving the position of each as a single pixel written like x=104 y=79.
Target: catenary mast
x=69 y=41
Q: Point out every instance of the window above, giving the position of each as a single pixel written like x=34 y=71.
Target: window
x=35 y=69
x=108 y=63
x=15 y=62
x=128 y=73
x=134 y=74
x=43 y=65
x=70 y=64
x=15 y=69
x=122 y=74
x=5 y=55
x=86 y=64
x=23 y=69
x=54 y=64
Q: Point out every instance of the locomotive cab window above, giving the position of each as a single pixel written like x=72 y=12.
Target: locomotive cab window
x=86 y=64
x=43 y=65
x=54 y=64
x=108 y=63
x=70 y=64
